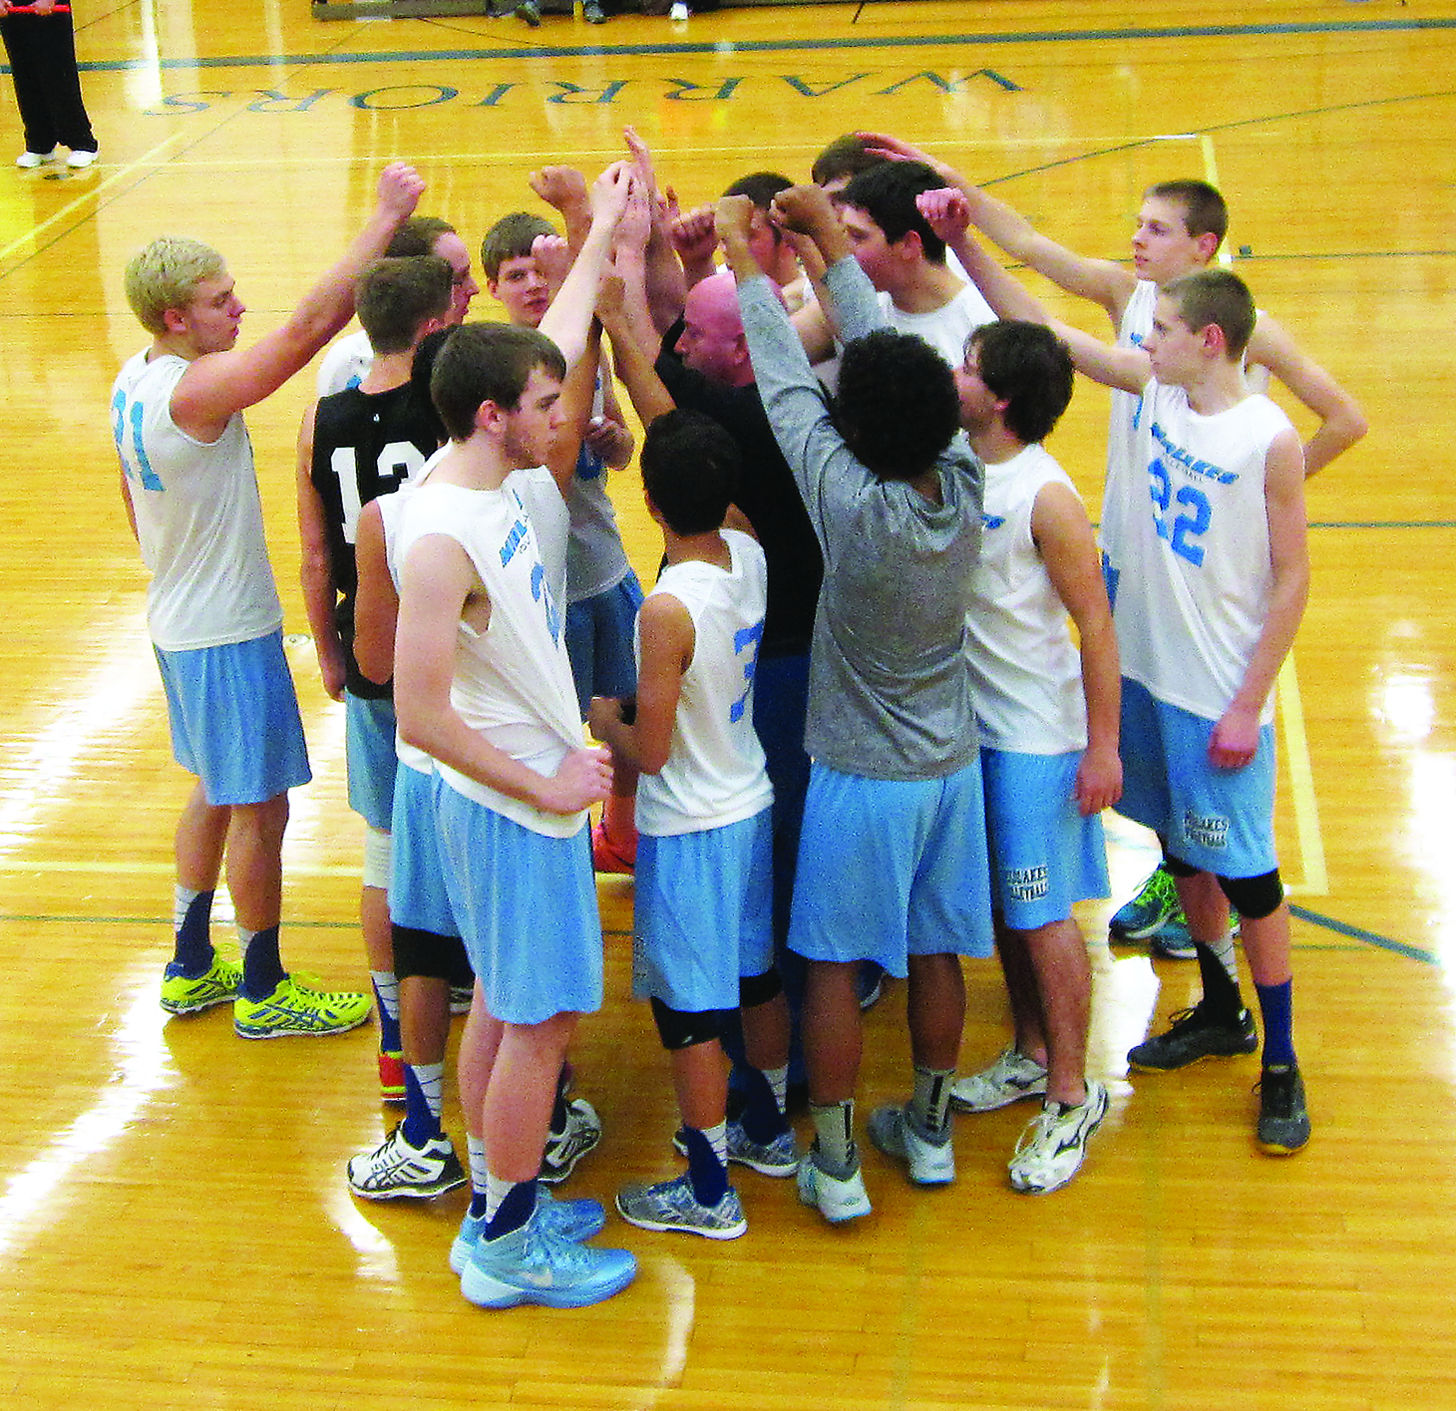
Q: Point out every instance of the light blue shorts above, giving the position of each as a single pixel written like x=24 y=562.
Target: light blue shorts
x=703 y=915
x=599 y=642
x=234 y=719
x=417 y=894
x=1044 y=854
x=527 y=908
x=369 y=758
x=891 y=868
x=1218 y=820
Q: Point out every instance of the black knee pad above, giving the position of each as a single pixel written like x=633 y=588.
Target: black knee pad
x=754 y=990
x=679 y=1029
x=1177 y=867
x=1254 y=897
x=425 y=954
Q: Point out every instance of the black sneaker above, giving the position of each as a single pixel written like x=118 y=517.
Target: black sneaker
x=1194 y=1035
x=1283 y=1118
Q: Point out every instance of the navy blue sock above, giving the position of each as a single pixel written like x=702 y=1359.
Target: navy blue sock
x=420 y=1122
x=193 y=938
x=708 y=1175
x=262 y=969
x=513 y=1211
x=761 y=1118
x=1276 y=1004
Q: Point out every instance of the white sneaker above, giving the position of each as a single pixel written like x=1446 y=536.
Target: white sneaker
x=1010 y=1077
x=1051 y=1148
x=839 y=1198
x=679 y=12
x=28 y=161
x=930 y=1163
x=82 y=158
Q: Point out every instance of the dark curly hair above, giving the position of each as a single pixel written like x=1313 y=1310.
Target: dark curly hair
x=896 y=407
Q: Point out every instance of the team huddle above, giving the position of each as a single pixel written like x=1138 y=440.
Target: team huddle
x=864 y=722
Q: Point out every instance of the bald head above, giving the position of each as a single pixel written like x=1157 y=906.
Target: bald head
x=712 y=341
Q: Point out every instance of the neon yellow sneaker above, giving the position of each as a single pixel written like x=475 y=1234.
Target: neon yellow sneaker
x=298 y=1008
x=188 y=994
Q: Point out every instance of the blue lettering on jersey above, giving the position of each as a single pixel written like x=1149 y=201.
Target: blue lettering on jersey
x=136 y=465
x=541 y=593
x=746 y=639
x=992 y=521
x=513 y=541
x=1205 y=470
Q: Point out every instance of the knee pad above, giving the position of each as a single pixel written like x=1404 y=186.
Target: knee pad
x=679 y=1029
x=1178 y=868
x=423 y=953
x=754 y=990
x=1254 y=897
x=377 y=848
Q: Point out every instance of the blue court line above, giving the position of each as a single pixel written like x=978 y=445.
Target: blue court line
x=1359 y=933
x=785 y=46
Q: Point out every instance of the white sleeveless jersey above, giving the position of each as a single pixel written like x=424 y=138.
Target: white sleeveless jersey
x=548 y=517
x=512 y=681
x=198 y=516
x=715 y=772
x=1194 y=592
x=1026 y=671
x=946 y=328
x=1124 y=480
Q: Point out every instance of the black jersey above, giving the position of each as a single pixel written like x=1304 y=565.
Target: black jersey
x=365 y=444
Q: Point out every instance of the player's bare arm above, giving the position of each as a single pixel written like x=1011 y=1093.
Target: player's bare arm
x=1236 y=736
x=665 y=632
x=1068 y=548
x=436 y=582
x=1341 y=422
x=316 y=572
x=219 y=384
x=1103 y=281
x=376 y=604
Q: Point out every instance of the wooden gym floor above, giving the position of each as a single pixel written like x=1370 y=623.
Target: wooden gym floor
x=174 y=1223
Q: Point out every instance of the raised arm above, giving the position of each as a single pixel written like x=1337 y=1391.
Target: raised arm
x=567 y=320
x=1235 y=738
x=1064 y=538
x=666 y=286
x=217 y=385
x=1341 y=422
x=1102 y=281
x=849 y=301
x=622 y=308
x=316 y=568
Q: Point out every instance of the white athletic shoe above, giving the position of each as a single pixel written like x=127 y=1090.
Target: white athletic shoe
x=930 y=1163
x=1010 y=1077
x=839 y=1198
x=1051 y=1149
x=82 y=158
x=28 y=161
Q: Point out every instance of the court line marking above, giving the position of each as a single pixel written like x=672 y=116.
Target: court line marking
x=151 y=158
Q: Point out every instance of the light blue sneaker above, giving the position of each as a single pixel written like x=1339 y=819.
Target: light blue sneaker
x=534 y=1265
x=673 y=1205
x=573 y=1220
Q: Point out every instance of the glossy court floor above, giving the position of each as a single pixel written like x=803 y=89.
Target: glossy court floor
x=174 y=1224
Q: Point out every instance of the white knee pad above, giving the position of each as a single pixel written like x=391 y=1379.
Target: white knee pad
x=378 y=845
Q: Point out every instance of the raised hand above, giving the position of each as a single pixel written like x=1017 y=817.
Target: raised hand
x=400 y=189
x=946 y=212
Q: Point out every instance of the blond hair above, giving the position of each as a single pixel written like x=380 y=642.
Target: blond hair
x=165 y=275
